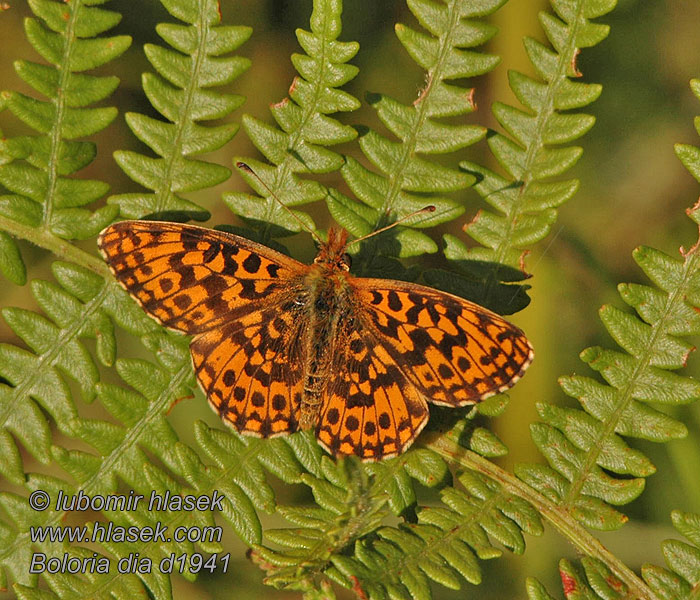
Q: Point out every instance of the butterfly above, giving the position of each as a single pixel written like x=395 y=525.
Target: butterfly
x=278 y=345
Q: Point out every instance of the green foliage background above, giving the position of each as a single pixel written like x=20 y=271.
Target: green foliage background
x=633 y=191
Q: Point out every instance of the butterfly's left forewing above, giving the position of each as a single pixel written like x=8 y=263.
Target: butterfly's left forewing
x=190 y=278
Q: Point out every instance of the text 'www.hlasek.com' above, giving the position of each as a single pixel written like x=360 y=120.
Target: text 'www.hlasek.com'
x=104 y=532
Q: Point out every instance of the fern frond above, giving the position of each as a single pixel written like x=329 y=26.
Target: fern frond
x=578 y=445
x=337 y=539
x=36 y=168
x=121 y=448
x=86 y=306
x=78 y=308
x=181 y=92
x=525 y=201
x=406 y=182
x=544 y=505
x=238 y=472
x=445 y=546
x=586 y=449
x=679 y=580
x=122 y=457
x=305 y=129
x=348 y=506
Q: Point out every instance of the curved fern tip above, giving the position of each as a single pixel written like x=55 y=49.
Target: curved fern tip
x=574 y=71
x=694 y=212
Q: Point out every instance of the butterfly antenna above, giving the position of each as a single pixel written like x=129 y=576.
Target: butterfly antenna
x=304 y=226
x=425 y=209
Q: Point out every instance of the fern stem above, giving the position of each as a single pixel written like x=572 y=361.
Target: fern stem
x=60 y=103
x=422 y=105
x=557 y=515
x=60 y=248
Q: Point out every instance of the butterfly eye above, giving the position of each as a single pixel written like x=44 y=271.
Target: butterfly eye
x=346 y=260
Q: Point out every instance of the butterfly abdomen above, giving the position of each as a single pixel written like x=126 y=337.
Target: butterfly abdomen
x=326 y=307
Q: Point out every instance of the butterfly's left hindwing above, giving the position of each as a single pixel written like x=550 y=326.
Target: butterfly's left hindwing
x=251 y=371
x=190 y=278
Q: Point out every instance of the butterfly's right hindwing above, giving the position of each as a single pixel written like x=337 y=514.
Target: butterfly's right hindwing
x=370 y=408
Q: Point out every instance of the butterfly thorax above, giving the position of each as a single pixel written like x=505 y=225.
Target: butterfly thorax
x=327 y=305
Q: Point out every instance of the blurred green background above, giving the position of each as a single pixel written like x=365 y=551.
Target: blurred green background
x=633 y=191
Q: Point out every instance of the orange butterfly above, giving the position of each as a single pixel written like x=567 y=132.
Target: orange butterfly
x=280 y=346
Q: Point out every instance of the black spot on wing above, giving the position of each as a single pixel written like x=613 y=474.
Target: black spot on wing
x=212 y=252
x=252 y=263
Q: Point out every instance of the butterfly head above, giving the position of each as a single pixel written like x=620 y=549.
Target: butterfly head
x=332 y=253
